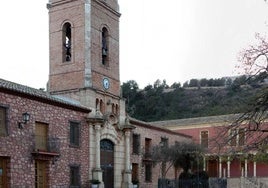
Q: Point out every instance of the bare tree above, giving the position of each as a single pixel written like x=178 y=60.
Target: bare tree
x=249 y=130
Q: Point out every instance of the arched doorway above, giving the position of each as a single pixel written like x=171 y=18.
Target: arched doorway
x=107 y=162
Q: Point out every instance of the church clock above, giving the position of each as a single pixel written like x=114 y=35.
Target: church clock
x=106 y=83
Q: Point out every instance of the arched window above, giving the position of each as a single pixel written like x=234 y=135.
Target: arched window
x=104 y=49
x=113 y=108
x=97 y=104
x=117 y=109
x=66 y=39
x=101 y=106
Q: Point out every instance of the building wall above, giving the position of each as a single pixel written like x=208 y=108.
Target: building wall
x=85 y=69
x=218 y=131
x=155 y=134
x=19 y=144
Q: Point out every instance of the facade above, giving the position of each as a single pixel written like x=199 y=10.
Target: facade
x=77 y=130
x=144 y=137
x=43 y=151
x=232 y=160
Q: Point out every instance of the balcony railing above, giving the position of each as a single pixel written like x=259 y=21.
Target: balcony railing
x=48 y=144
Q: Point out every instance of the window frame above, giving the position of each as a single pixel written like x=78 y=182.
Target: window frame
x=74 y=137
x=148 y=147
x=204 y=143
x=233 y=137
x=164 y=142
x=148 y=172
x=5 y=121
x=136 y=143
x=105 y=46
x=65 y=27
x=75 y=177
x=241 y=134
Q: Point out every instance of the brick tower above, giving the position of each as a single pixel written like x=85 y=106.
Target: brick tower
x=84 y=67
x=84 y=52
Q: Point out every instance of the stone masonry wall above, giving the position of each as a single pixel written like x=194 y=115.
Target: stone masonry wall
x=18 y=145
x=155 y=135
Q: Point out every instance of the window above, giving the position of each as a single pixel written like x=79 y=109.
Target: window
x=104 y=49
x=204 y=139
x=241 y=137
x=164 y=142
x=74 y=133
x=67 y=39
x=148 y=172
x=116 y=109
x=237 y=137
x=3 y=122
x=136 y=144
x=148 y=147
x=74 y=176
x=100 y=105
x=41 y=131
x=102 y=109
x=233 y=137
x=97 y=104
x=135 y=171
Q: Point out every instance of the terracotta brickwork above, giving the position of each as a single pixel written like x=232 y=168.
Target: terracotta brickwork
x=19 y=144
x=85 y=69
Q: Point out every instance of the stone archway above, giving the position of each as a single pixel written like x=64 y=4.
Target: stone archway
x=107 y=162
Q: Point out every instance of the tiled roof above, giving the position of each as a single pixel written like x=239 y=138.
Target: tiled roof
x=197 y=121
x=12 y=87
x=153 y=126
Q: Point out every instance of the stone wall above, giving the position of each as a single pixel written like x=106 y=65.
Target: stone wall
x=155 y=134
x=19 y=144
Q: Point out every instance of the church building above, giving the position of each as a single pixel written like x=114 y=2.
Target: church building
x=77 y=131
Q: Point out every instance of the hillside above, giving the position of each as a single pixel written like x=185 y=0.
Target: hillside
x=160 y=102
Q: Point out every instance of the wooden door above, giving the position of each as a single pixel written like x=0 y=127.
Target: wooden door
x=135 y=171
x=213 y=168
x=40 y=174
x=107 y=162
x=3 y=173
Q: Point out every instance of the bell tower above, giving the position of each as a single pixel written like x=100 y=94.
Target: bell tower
x=84 y=67
x=84 y=52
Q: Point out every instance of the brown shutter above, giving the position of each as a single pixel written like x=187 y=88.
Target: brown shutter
x=41 y=136
x=3 y=130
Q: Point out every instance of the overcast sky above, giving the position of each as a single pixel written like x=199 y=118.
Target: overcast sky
x=174 y=40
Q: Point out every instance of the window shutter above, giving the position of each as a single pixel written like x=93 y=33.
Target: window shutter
x=3 y=130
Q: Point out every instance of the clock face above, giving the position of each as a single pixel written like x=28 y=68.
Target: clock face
x=106 y=83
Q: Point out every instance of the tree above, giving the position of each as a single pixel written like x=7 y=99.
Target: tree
x=253 y=124
x=130 y=93
x=180 y=155
x=194 y=83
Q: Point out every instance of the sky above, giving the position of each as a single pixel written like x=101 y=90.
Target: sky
x=174 y=41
